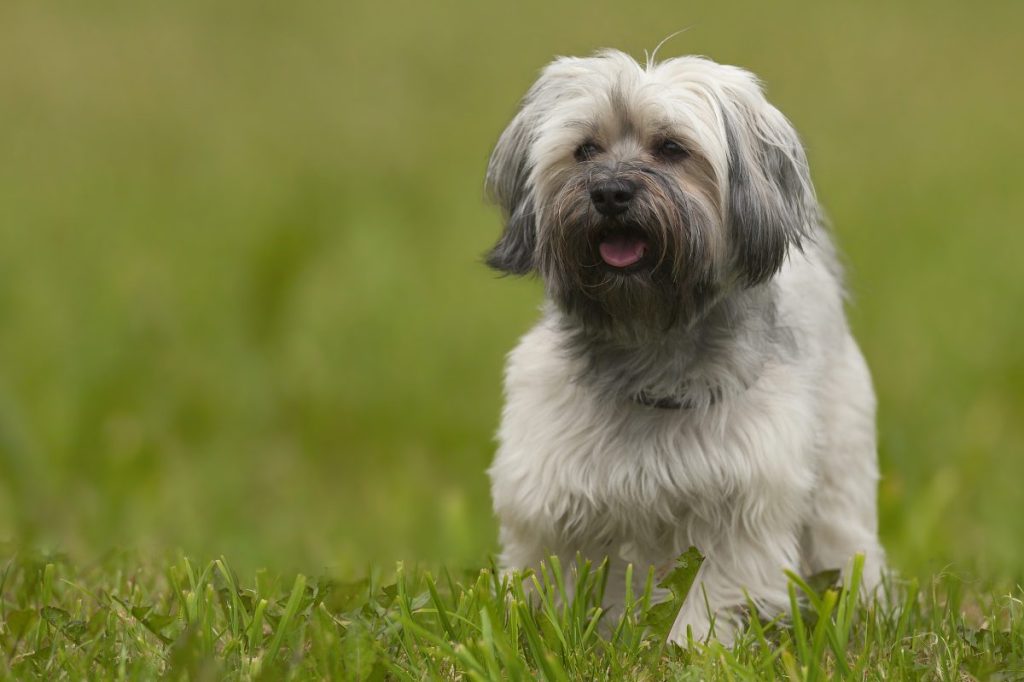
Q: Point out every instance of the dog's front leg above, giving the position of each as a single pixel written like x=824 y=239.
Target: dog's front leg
x=732 y=570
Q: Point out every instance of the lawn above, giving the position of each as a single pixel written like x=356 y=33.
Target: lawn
x=243 y=315
x=128 y=618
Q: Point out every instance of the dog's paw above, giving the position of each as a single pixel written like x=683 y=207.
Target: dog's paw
x=696 y=625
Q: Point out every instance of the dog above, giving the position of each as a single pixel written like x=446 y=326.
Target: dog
x=692 y=380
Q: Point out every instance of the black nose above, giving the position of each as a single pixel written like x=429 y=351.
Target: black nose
x=612 y=197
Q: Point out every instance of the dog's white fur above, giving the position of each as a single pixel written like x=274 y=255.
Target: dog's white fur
x=771 y=464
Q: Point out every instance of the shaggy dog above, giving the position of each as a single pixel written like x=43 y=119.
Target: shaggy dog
x=692 y=379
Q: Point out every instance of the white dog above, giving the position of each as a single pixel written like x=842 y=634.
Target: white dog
x=692 y=380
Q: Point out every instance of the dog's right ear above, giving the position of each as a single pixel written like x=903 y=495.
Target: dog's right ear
x=508 y=181
x=508 y=185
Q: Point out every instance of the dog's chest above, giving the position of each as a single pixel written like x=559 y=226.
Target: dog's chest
x=641 y=462
x=588 y=472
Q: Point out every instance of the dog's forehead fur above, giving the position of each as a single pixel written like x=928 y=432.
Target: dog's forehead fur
x=616 y=101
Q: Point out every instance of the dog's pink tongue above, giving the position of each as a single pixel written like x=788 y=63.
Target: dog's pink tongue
x=622 y=250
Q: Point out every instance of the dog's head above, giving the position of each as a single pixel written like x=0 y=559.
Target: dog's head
x=639 y=193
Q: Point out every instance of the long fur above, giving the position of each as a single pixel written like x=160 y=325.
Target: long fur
x=767 y=461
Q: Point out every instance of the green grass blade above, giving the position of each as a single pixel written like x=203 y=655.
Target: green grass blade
x=290 y=610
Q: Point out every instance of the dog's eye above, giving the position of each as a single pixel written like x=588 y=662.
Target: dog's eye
x=672 y=150
x=586 y=151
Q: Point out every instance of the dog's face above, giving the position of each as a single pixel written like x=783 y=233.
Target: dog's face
x=640 y=193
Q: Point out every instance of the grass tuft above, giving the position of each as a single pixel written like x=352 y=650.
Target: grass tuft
x=126 y=619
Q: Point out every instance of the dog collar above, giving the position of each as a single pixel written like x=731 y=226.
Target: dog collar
x=716 y=394
x=669 y=402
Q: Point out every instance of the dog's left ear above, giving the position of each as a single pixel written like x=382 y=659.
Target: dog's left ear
x=771 y=198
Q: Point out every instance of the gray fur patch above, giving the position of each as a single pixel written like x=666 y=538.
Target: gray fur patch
x=507 y=185
x=769 y=210
x=698 y=366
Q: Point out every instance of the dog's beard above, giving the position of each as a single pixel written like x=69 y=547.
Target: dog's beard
x=670 y=283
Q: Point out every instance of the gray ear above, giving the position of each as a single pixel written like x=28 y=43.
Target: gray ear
x=507 y=185
x=508 y=172
x=771 y=199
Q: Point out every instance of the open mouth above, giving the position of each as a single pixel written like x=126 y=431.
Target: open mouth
x=622 y=248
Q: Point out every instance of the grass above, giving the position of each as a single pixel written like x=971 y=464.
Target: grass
x=127 y=619
x=242 y=315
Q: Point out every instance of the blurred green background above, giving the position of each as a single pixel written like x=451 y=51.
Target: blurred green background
x=241 y=304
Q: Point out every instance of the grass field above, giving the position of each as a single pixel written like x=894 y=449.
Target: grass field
x=131 y=619
x=242 y=312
